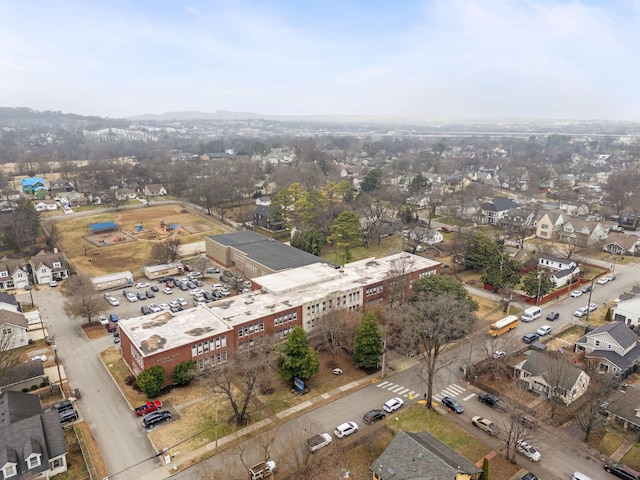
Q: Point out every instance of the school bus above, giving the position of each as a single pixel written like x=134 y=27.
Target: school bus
x=503 y=326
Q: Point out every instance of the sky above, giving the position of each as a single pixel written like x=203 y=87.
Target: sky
x=429 y=59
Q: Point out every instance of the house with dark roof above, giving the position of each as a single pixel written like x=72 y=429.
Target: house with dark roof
x=549 y=223
x=622 y=244
x=13 y=274
x=31 y=441
x=154 y=190
x=9 y=302
x=623 y=407
x=552 y=377
x=582 y=232
x=23 y=375
x=612 y=348
x=494 y=210
x=48 y=266
x=267 y=217
x=13 y=329
x=413 y=456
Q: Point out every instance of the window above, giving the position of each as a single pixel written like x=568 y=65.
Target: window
x=4 y=274
x=6 y=331
x=194 y=351
x=57 y=265
x=9 y=470
x=206 y=346
x=224 y=341
x=596 y=343
x=56 y=463
x=33 y=461
x=200 y=349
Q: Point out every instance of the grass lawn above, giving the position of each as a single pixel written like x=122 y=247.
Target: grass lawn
x=610 y=443
x=632 y=457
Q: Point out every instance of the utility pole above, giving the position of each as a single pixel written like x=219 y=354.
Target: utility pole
x=589 y=302
x=384 y=356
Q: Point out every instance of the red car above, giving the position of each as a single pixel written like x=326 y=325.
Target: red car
x=148 y=408
x=445 y=229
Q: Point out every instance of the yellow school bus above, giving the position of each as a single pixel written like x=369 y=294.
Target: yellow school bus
x=503 y=326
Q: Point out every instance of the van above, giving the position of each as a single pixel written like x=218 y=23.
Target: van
x=580 y=476
x=622 y=471
x=530 y=314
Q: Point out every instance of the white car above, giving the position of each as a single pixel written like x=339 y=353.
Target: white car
x=498 y=354
x=592 y=307
x=225 y=292
x=164 y=306
x=53 y=283
x=345 y=429
x=196 y=291
x=174 y=304
x=602 y=280
x=528 y=451
x=393 y=404
x=576 y=293
x=167 y=290
x=132 y=297
x=154 y=308
x=142 y=285
x=103 y=320
x=544 y=330
x=42 y=358
x=113 y=301
x=581 y=312
x=182 y=302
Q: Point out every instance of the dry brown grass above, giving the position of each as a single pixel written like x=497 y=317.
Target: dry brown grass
x=127 y=255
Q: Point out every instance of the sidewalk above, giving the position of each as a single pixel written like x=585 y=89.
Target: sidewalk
x=165 y=471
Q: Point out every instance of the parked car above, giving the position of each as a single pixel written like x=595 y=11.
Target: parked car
x=485 y=424
x=208 y=297
x=544 y=330
x=174 y=304
x=499 y=354
x=212 y=270
x=196 y=291
x=372 y=416
x=155 y=418
x=592 y=307
x=489 y=400
x=176 y=309
x=553 y=316
x=167 y=290
x=528 y=476
x=610 y=278
x=393 y=404
x=150 y=294
x=528 y=421
x=193 y=275
x=585 y=288
x=113 y=301
x=530 y=337
x=445 y=229
x=345 y=429
x=154 y=288
x=68 y=416
x=183 y=287
x=132 y=297
x=142 y=285
x=114 y=317
x=528 y=451
x=452 y=404
x=337 y=371
x=149 y=407
x=42 y=358
x=125 y=293
x=576 y=293
x=154 y=307
x=142 y=296
x=102 y=320
x=182 y=302
x=53 y=283
x=188 y=268
x=620 y=470
x=145 y=310
x=602 y=280
x=581 y=312
x=164 y=306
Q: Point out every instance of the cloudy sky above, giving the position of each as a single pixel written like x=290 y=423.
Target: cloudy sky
x=432 y=59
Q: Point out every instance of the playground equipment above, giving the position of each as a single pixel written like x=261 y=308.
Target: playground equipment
x=138 y=228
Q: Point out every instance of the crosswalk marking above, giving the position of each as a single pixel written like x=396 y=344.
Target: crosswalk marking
x=380 y=385
x=452 y=390
x=469 y=396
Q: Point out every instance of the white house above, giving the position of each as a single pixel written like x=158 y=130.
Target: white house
x=549 y=224
x=154 y=190
x=555 y=263
x=13 y=274
x=47 y=267
x=45 y=205
x=13 y=329
x=628 y=312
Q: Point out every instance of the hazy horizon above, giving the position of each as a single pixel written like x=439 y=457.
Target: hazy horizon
x=446 y=60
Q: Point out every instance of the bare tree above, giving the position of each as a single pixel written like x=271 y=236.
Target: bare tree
x=432 y=323
x=9 y=353
x=165 y=251
x=52 y=232
x=334 y=333
x=238 y=379
x=589 y=417
x=83 y=301
x=515 y=425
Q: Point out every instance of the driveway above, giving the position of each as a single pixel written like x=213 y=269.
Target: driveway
x=121 y=438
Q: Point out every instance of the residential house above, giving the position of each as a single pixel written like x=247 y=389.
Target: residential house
x=100 y=198
x=623 y=407
x=267 y=217
x=13 y=330
x=263 y=201
x=23 y=375
x=154 y=190
x=45 y=205
x=59 y=186
x=494 y=210
x=550 y=377
x=13 y=274
x=424 y=235
x=32 y=443
x=563 y=271
x=622 y=243
x=611 y=348
x=582 y=232
x=517 y=219
x=581 y=210
x=549 y=223
x=412 y=456
x=9 y=302
x=74 y=198
x=627 y=311
x=31 y=185
x=47 y=266
x=124 y=194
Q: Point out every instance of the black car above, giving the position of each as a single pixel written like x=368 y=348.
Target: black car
x=68 y=416
x=155 y=418
x=191 y=285
x=154 y=288
x=142 y=296
x=150 y=294
x=175 y=309
x=183 y=287
x=487 y=399
x=372 y=416
x=553 y=316
x=452 y=404
x=585 y=288
x=528 y=476
x=530 y=337
x=208 y=297
x=145 y=310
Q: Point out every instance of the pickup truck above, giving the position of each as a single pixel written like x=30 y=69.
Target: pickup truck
x=148 y=408
x=262 y=470
x=318 y=441
x=485 y=424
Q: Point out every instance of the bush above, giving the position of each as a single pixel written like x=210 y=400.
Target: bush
x=25 y=390
x=183 y=372
x=34 y=387
x=150 y=381
x=130 y=380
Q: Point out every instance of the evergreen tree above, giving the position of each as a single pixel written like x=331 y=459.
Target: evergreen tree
x=368 y=342
x=346 y=233
x=444 y=285
x=297 y=357
x=151 y=381
x=482 y=252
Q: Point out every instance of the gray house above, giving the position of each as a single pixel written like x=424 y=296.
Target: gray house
x=31 y=441
x=613 y=348
x=412 y=456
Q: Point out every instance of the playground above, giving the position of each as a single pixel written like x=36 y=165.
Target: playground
x=114 y=241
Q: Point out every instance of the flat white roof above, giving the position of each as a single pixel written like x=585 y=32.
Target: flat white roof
x=112 y=276
x=165 y=266
x=166 y=331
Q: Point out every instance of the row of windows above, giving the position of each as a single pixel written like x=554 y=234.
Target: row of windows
x=204 y=347
x=426 y=274
x=217 y=359
x=283 y=333
x=251 y=329
x=285 y=318
x=374 y=290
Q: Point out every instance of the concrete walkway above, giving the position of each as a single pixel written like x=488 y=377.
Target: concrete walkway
x=622 y=450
